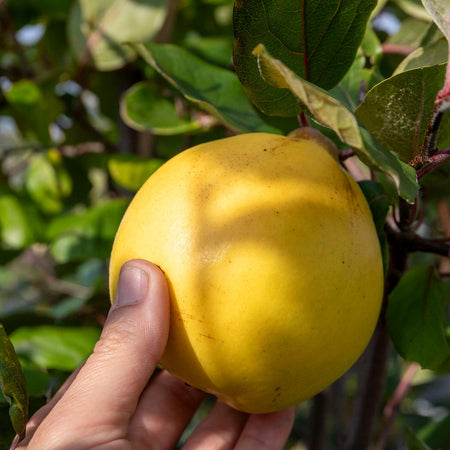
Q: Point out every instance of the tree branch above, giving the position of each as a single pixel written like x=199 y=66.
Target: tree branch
x=435 y=161
x=392 y=407
x=411 y=242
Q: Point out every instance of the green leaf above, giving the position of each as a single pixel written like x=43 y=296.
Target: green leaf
x=13 y=384
x=86 y=234
x=48 y=182
x=439 y=10
x=414 y=9
x=33 y=107
x=131 y=171
x=436 y=434
x=397 y=110
x=99 y=29
x=416 y=317
x=52 y=347
x=331 y=113
x=348 y=91
x=317 y=40
x=410 y=34
x=379 y=203
x=212 y=88
x=432 y=54
x=414 y=442
x=214 y=49
x=17 y=224
x=143 y=108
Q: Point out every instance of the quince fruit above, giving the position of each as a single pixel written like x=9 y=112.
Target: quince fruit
x=273 y=265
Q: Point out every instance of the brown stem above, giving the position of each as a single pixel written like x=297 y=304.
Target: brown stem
x=392 y=407
x=441 y=106
x=411 y=242
x=435 y=161
x=396 y=49
x=321 y=403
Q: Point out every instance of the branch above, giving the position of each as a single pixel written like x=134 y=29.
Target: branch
x=435 y=161
x=441 y=106
x=319 y=409
x=396 y=49
x=392 y=407
x=411 y=242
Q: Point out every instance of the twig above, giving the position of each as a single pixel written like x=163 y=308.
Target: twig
x=321 y=403
x=435 y=161
x=411 y=242
x=392 y=407
x=396 y=49
x=441 y=106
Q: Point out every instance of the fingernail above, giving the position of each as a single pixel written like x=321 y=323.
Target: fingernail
x=132 y=286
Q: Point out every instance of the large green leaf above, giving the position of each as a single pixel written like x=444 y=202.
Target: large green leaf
x=331 y=113
x=99 y=29
x=397 y=110
x=214 y=89
x=13 y=384
x=144 y=108
x=416 y=317
x=317 y=40
x=53 y=347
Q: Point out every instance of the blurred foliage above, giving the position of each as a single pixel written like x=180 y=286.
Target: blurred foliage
x=85 y=118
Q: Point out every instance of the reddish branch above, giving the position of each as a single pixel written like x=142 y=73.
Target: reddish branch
x=435 y=161
x=392 y=407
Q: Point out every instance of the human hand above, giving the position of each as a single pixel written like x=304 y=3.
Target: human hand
x=109 y=402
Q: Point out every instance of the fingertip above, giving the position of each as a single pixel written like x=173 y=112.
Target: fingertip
x=267 y=431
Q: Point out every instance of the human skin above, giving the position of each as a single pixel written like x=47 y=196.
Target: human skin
x=109 y=403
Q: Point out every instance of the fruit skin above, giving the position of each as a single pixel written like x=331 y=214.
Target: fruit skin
x=273 y=264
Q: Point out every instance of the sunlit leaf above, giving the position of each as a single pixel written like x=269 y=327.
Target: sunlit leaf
x=48 y=182
x=416 y=317
x=317 y=40
x=99 y=29
x=430 y=55
x=212 y=88
x=439 y=10
x=397 y=110
x=53 y=347
x=131 y=171
x=331 y=113
x=18 y=225
x=13 y=384
x=143 y=108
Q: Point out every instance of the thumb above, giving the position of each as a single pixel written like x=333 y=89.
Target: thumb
x=130 y=346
